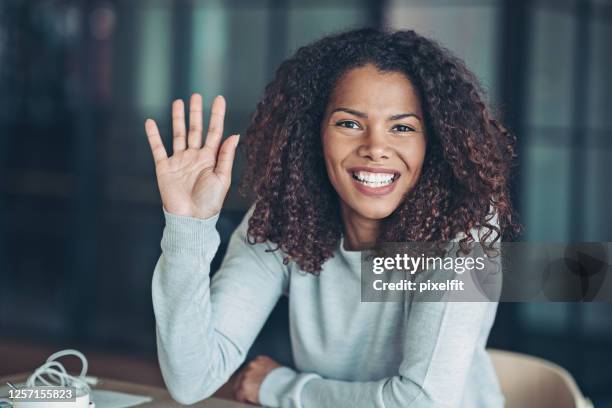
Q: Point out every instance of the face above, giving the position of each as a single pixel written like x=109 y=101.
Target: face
x=374 y=140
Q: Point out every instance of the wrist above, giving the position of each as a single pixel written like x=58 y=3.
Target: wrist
x=191 y=212
x=207 y=214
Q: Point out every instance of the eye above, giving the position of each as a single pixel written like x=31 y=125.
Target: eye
x=349 y=124
x=402 y=128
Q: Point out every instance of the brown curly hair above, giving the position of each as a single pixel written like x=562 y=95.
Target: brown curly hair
x=464 y=181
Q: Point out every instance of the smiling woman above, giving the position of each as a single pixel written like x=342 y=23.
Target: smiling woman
x=381 y=100
x=363 y=137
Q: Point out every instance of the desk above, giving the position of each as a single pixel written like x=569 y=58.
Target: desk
x=161 y=398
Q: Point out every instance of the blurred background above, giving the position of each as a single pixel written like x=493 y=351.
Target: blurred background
x=80 y=215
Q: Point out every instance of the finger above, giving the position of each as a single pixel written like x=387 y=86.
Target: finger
x=157 y=146
x=195 y=121
x=215 y=125
x=238 y=385
x=238 y=380
x=240 y=396
x=225 y=160
x=178 y=125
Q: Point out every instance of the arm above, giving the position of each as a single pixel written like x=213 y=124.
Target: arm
x=441 y=338
x=204 y=330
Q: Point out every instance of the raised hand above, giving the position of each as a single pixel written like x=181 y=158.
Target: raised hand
x=194 y=181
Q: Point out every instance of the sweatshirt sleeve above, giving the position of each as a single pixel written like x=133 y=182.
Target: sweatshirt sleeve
x=204 y=329
x=441 y=339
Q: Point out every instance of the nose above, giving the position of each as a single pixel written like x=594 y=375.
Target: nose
x=375 y=146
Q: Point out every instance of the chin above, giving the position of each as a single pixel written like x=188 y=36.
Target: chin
x=374 y=210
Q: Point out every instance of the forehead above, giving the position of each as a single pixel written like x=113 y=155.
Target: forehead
x=372 y=90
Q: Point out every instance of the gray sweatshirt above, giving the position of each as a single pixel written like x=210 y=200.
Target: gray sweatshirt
x=347 y=353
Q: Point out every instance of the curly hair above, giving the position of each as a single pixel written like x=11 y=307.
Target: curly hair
x=469 y=154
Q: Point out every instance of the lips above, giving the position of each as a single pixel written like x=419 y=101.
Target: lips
x=374 y=181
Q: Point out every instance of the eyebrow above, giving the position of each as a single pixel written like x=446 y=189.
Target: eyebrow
x=365 y=116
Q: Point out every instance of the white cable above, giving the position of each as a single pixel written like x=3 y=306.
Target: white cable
x=53 y=373
x=58 y=374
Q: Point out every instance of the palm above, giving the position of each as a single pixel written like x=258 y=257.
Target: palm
x=195 y=179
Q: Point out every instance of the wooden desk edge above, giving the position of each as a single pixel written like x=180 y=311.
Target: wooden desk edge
x=161 y=397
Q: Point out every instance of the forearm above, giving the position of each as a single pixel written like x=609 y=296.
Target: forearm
x=286 y=388
x=193 y=356
x=205 y=328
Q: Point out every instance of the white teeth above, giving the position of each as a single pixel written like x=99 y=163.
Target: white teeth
x=374 y=179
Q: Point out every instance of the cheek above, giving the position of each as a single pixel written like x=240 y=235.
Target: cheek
x=334 y=153
x=414 y=156
x=329 y=158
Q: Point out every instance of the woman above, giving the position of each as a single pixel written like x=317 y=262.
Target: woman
x=363 y=137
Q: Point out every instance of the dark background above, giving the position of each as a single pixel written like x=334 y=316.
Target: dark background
x=80 y=216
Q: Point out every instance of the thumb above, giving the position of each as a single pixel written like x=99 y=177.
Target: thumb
x=225 y=160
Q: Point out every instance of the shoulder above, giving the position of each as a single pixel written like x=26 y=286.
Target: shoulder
x=265 y=254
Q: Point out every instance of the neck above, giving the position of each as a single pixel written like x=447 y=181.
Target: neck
x=360 y=232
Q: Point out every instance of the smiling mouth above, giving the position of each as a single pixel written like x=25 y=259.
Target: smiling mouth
x=374 y=180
